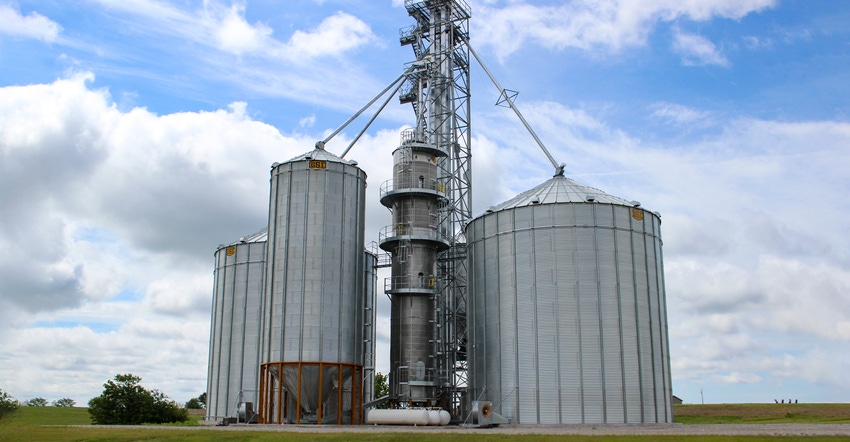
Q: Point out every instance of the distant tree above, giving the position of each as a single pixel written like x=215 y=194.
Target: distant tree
x=64 y=402
x=36 y=402
x=194 y=404
x=8 y=404
x=203 y=399
x=125 y=402
x=382 y=388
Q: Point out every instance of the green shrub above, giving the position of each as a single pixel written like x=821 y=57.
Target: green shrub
x=194 y=404
x=8 y=404
x=64 y=402
x=125 y=402
x=36 y=402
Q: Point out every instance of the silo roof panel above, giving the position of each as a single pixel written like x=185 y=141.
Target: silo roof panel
x=320 y=154
x=560 y=189
x=261 y=236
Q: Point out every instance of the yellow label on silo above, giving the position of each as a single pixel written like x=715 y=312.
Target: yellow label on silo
x=637 y=214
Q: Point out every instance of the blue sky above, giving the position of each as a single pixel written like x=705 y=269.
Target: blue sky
x=136 y=136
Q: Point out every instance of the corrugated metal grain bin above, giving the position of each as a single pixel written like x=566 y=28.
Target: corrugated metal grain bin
x=313 y=346
x=235 y=326
x=568 y=321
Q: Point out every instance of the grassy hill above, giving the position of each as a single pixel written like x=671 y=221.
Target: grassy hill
x=762 y=413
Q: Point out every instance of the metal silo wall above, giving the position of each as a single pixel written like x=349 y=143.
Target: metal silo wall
x=313 y=344
x=315 y=289
x=567 y=313
x=235 y=328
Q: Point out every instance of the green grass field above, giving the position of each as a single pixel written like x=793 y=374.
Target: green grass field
x=54 y=424
x=762 y=414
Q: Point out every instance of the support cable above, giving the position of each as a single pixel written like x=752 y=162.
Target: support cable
x=321 y=144
x=372 y=120
x=509 y=98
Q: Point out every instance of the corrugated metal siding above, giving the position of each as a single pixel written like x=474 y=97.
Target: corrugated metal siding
x=235 y=328
x=315 y=295
x=568 y=321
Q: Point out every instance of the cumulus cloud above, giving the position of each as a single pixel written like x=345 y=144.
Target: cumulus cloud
x=111 y=217
x=109 y=223
x=236 y=35
x=87 y=187
x=32 y=25
x=336 y=34
x=223 y=27
x=609 y=25
x=222 y=43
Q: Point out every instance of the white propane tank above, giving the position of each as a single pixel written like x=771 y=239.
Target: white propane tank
x=445 y=417
x=433 y=417
x=408 y=416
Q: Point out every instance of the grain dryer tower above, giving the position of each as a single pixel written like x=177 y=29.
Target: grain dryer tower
x=314 y=308
x=429 y=197
x=568 y=314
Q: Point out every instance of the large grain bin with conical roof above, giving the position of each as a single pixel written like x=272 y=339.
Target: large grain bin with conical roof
x=567 y=312
x=312 y=351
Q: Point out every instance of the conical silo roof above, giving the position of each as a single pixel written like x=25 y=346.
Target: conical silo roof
x=560 y=189
x=262 y=235
x=322 y=155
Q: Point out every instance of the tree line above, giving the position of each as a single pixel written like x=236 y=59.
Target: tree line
x=124 y=401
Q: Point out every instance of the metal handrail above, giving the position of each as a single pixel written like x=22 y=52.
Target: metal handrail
x=427 y=184
x=427 y=282
x=406 y=229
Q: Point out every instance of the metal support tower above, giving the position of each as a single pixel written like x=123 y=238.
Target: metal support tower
x=438 y=88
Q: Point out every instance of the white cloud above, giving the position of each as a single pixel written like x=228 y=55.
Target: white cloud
x=678 y=114
x=225 y=28
x=336 y=34
x=757 y=43
x=307 y=121
x=180 y=294
x=740 y=378
x=696 y=50
x=98 y=202
x=610 y=25
x=221 y=45
x=236 y=35
x=33 y=25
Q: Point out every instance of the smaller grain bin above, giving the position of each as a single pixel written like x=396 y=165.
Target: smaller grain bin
x=568 y=322
x=313 y=352
x=232 y=378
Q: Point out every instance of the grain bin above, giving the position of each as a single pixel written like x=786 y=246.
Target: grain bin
x=235 y=325
x=568 y=320
x=312 y=349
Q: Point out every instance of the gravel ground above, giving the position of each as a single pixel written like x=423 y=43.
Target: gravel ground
x=659 y=429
